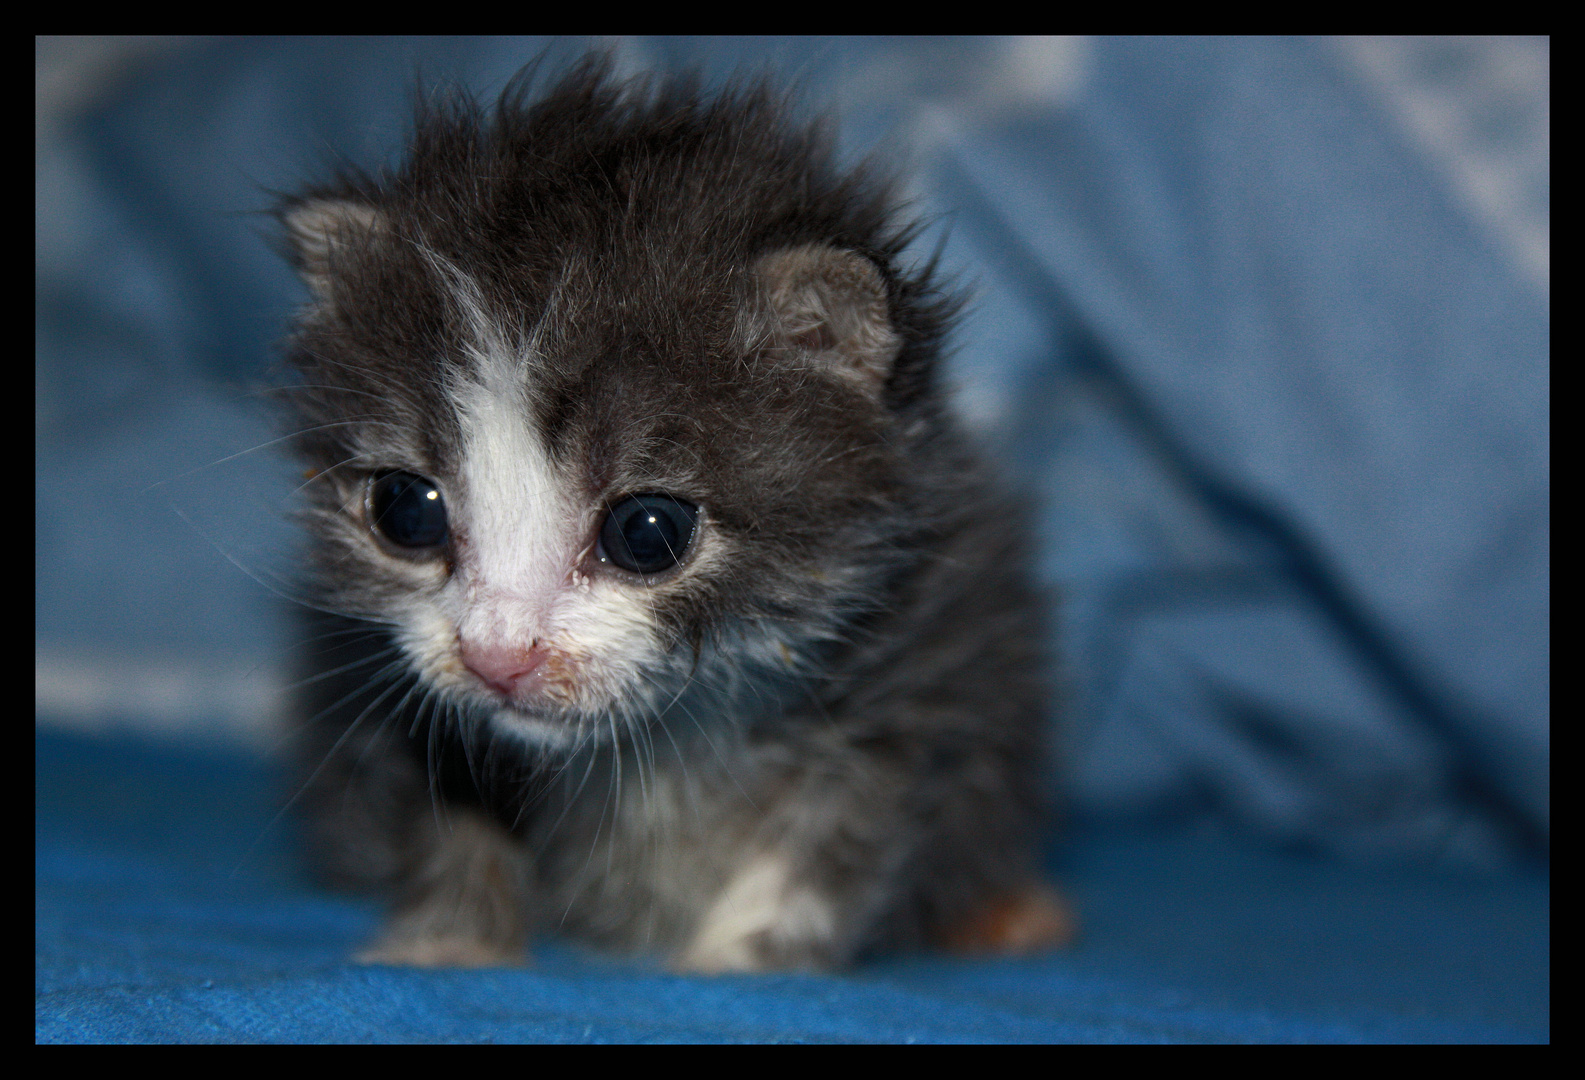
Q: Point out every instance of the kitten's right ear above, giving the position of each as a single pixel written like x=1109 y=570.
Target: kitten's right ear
x=323 y=231
x=831 y=306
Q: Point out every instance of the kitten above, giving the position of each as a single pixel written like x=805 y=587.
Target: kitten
x=661 y=601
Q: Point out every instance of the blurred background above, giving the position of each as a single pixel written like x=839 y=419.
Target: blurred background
x=1262 y=327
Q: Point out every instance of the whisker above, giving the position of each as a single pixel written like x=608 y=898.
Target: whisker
x=307 y=784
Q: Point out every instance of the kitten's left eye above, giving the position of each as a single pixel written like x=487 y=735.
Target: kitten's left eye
x=407 y=510
x=647 y=533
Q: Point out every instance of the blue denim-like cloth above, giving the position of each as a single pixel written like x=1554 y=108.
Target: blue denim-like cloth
x=169 y=908
x=1262 y=327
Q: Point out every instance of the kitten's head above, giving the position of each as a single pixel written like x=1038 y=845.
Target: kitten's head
x=606 y=393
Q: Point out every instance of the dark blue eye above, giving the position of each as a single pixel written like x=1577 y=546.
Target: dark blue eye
x=407 y=510
x=647 y=533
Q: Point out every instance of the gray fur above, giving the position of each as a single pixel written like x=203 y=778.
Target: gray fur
x=850 y=688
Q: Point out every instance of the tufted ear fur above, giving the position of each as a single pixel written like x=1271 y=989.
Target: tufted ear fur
x=322 y=231
x=831 y=305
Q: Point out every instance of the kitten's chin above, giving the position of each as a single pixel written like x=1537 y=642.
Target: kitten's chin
x=542 y=731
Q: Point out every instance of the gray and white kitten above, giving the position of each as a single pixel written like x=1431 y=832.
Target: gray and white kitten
x=661 y=601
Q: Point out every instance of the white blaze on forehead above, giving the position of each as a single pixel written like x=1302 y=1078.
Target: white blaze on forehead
x=524 y=526
x=519 y=518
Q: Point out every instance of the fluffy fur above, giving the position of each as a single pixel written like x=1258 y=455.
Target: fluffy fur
x=819 y=733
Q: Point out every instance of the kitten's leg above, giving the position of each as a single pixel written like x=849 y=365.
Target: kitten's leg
x=813 y=873
x=875 y=849
x=465 y=905
x=768 y=919
x=764 y=919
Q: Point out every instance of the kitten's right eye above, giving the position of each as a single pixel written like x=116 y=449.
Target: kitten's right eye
x=407 y=510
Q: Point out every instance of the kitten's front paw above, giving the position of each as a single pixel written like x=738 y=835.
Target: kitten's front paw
x=464 y=907
x=763 y=922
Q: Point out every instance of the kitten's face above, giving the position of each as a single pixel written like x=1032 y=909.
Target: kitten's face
x=563 y=481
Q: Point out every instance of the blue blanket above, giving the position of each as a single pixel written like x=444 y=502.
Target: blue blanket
x=169 y=908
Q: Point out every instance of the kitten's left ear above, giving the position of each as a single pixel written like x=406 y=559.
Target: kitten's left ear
x=831 y=305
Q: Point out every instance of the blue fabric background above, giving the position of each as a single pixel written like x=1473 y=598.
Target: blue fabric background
x=1268 y=349
x=170 y=909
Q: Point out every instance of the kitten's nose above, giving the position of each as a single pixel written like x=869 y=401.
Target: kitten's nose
x=506 y=668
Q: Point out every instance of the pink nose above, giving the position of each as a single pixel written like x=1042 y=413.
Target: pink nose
x=509 y=669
